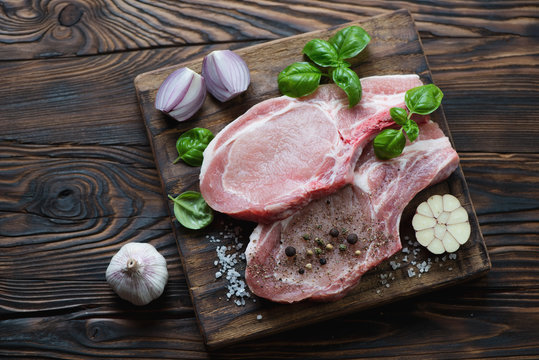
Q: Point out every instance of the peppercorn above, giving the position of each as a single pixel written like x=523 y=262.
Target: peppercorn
x=329 y=247
x=290 y=251
x=319 y=241
x=352 y=238
x=318 y=251
x=309 y=252
x=334 y=232
x=358 y=252
x=342 y=247
x=308 y=266
x=323 y=261
x=306 y=237
x=302 y=271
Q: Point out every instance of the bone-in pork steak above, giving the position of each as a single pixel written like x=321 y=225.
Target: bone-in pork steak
x=284 y=152
x=370 y=209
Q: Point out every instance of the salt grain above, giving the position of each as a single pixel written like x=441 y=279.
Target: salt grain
x=230 y=263
x=259 y=317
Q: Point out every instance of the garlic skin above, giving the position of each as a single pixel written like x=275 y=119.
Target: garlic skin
x=226 y=74
x=441 y=224
x=182 y=94
x=137 y=273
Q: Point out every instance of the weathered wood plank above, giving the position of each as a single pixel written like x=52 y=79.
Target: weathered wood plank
x=449 y=324
x=65 y=211
x=490 y=86
x=51 y=29
x=79 y=336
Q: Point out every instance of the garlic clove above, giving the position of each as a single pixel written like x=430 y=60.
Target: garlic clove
x=457 y=216
x=226 y=74
x=449 y=242
x=446 y=228
x=436 y=205
x=182 y=94
x=420 y=222
x=460 y=231
x=436 y=247
x=424 y=209
x=425 y=236
x=450 y=202
x=137 y=273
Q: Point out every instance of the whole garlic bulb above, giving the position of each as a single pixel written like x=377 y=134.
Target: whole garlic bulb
x=137 y=273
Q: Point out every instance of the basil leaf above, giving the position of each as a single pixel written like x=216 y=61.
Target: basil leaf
x=191 y=144
x=299 y=79
x=348 y=80
x=399 y=115
x=389 y=144
x=191 y=210
x=411 y=129
x=350 y=41
x=321 y=53
x=424 y=99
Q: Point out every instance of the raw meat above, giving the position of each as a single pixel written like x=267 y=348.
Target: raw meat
x=284 y=152
x=371 y=208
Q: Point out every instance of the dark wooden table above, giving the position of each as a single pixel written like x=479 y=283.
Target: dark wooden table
x=78 y=179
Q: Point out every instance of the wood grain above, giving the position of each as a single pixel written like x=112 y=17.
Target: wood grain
x=488 y=83
x=395 y=48
x=75 y=206
x=67 y=28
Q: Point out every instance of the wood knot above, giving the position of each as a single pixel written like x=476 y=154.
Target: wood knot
x=69 y=15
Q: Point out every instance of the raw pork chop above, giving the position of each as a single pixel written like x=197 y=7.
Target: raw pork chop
x=284 y=152
x=371 y=208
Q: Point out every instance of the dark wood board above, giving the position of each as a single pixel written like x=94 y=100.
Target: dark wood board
x=395 y=48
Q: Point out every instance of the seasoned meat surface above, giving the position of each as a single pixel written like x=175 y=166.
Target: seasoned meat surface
x=365 y=214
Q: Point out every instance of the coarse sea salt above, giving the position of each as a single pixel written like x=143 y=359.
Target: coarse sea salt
x=231 y=265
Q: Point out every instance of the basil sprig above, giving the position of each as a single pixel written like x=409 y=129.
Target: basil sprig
x=191 y=145
x=191 y=210
x=421 y=100
x=302 y=78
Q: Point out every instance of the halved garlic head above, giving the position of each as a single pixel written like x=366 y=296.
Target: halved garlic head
x=441 y=224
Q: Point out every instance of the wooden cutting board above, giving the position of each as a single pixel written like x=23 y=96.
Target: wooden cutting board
x=395 y=49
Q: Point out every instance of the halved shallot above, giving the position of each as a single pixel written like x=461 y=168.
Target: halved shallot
x=226 y=74
x=182 y=94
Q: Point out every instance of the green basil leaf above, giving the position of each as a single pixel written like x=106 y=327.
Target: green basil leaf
x=321 y=53
x=299 y=79
x=389 y=144
x=411 y=129
x=399 y=115
x=191 y=210
x=191 y=144
x=424 y=99
x=348 y=80
x=350 y=41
